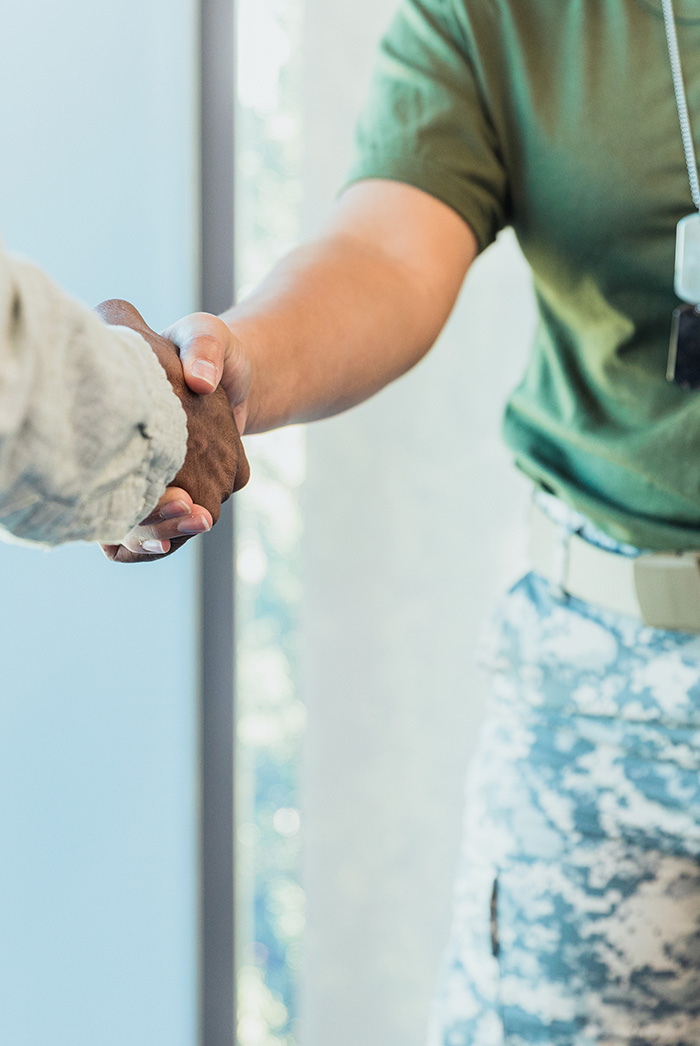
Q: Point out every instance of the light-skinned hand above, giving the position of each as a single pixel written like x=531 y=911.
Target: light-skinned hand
x=211 y=354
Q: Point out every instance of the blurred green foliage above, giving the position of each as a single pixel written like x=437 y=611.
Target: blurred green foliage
x=270 y=714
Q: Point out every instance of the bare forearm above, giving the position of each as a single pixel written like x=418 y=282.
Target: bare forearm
x=339 y=318
x=332 y=324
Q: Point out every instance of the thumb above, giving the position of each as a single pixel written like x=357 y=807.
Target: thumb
x=203 y=341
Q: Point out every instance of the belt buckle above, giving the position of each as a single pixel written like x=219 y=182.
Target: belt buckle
x=668 y=590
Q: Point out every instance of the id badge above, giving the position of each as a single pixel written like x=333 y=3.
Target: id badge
x=684 y=347
x=686 y=279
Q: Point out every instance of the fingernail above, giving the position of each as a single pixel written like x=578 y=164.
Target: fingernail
x=175 y=508
x=198 y=525
x=153 y=546
x=206 y=371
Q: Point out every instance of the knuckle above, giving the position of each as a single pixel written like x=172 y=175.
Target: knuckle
x=208 y=346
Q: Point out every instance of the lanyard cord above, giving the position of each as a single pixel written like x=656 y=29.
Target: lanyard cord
x=681 y=101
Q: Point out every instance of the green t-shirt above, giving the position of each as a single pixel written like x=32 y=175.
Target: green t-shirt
x=558 y=117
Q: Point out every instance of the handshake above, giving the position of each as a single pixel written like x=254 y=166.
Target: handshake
x=215 y=464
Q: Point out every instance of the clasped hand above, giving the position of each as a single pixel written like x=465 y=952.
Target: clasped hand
x=215 y=464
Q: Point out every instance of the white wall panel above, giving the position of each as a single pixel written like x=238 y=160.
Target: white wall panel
x=413 y=526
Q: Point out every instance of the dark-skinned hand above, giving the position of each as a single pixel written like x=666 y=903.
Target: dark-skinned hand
x=215 y=465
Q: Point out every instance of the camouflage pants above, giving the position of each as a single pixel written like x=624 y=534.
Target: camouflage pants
x=577 y=905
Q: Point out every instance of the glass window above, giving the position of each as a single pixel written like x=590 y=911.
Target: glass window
x=271 y=715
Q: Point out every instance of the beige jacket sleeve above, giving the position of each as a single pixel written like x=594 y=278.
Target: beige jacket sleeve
x=91 y=432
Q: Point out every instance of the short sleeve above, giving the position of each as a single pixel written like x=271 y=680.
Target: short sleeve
x=426 y=121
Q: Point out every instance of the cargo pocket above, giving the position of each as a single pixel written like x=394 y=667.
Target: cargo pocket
x=535 y=937
x=587 y=959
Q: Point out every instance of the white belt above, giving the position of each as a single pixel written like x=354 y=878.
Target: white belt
x=662 y=590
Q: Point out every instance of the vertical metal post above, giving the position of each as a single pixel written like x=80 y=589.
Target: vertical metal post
x=217 y=968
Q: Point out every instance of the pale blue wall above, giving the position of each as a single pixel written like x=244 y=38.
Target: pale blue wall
x=97 y=663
